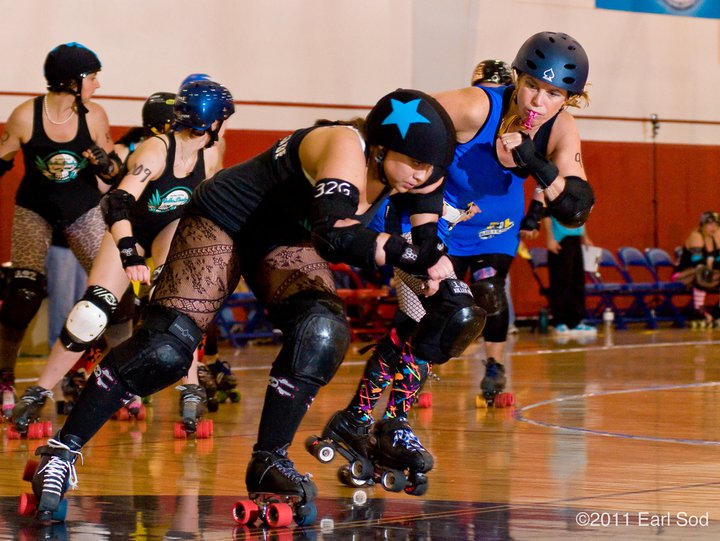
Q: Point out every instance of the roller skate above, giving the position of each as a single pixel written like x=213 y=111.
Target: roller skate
x=51 y=478
x=133 y=408
x=700 y=319
x=72 y=385
x=226 y=381
x=207 y=380
x=278 y=493
x=7 y=388
x=350 y=438
x=493 y=387
x=26 y=415
x=192 y=406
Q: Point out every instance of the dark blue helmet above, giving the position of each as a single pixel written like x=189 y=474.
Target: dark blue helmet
x=195 y=77
x=69 y=63
x=555 y=58
x=200 y=103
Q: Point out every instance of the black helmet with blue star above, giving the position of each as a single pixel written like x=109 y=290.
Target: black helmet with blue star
x=412 y=123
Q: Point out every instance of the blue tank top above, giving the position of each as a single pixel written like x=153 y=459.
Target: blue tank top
x=476 y=176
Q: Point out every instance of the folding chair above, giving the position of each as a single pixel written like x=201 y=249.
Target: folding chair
x=663 y=268
x=642 y=284
x=610 y=286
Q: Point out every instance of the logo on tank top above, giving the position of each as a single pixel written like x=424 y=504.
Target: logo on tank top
x=169 y=201
x=496 y=228
x=682 y=4
x=61 y=167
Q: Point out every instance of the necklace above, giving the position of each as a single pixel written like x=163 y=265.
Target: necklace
x=47 y=113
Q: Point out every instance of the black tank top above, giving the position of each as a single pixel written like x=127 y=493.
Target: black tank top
x=59 y=183
x=163 y=200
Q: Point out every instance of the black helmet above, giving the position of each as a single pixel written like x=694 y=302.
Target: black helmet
x=492 y=71
x=555 y=58
x=709 y=217
x=414 y=124
x=68 y=63
x=157 y=112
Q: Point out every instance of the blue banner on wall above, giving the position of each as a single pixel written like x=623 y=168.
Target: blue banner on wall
x=689 y=8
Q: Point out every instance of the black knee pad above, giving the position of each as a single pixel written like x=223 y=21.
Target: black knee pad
x=316 y=336
x=451 y=323
x=88 y=319
x=159 y=353
x=25 y=292
x=496 y=326
x=490 y=295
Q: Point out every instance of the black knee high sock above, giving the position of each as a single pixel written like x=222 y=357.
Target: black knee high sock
x=102 y=396
x=287 y=399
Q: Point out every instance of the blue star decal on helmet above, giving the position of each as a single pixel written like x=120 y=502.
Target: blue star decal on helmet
x=404 y=115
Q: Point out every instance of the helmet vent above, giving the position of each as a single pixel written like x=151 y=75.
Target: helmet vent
x=570 y=66
x=540 y=54
x=568 y=80
x=532 y=65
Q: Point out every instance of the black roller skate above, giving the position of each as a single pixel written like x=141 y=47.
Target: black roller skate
x=51 y=478
x=26 y=415
x=278 y=493
x=401 y=461
x=226 y=381
x=192 y=406
x=7 y=389
x=344 y=434
x=207 y=380
x=72 y=385
x=493 y=387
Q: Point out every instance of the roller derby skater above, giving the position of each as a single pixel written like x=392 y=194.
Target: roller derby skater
x=493 y=387
x=26 y=415
x=207 y=380
x=7 y=388
x=193 y=404
x=225 y=381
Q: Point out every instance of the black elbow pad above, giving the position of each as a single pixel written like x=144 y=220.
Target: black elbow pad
x=572 y=207
x=116 y=206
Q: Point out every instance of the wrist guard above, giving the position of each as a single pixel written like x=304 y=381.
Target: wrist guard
x=128 y=252
x=535 y=213
x=525 y=155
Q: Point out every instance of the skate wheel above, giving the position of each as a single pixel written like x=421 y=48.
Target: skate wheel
x=204 y=429
x=141 y=413
x=361 y=469
x=122 y=414
x=425 y=400
x=347 y=478
x=48 y=429
x=29 y=471
x=212 y=405
x=504 y=400
x=179 y=431
x=61 y=512
x=31 y=433
x=12 y=433
x=279 y=515
x=222 y=397
x=480 y=402
x=306 y=514
x=418 y=486
x=28 y=505
x=393 y=480
x=234 y=396
x=245 y=512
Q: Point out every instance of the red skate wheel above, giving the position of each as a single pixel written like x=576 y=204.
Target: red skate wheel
x=29 y=471
x=35 y=431
x=12 y=433
x=504 y=400
x=279 y=515
x=245 y=512
x=179 y=431
x=425 y=400
x=28 y=504
x=122 y=414
x=202 y=431
x=48 y=429
x=141 y=413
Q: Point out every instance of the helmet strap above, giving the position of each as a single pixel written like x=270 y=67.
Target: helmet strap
x=213 y=134
x=380 y=164
x=81 y=109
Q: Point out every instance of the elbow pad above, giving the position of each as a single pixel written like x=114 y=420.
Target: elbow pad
x=429 y=203
x=116 y=206
x=5 y=166
x=572 y=207
x=336 y=199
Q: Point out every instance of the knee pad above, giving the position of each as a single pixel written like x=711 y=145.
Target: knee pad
x=451 y=323
x=88 y=319
x=490 y=295
x=316 y=337
x=25 y=292
x=158 y=354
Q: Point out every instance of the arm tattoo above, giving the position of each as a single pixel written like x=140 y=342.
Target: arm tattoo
x=140 y=169
x=578 y=158
x=5 y=136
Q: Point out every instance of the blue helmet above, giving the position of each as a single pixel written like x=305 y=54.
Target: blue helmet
x=200 y=103
x=195 y=77
x=556 y=58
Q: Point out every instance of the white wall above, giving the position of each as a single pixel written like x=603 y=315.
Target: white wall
x=353 y=51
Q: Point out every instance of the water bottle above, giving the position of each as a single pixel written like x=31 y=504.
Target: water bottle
x=608 y=318
x=543 y=322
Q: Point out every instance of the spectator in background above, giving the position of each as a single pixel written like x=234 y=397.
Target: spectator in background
x=66 y=283
x=566 y=270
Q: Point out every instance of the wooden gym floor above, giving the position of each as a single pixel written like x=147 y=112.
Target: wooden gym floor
x=617 y=437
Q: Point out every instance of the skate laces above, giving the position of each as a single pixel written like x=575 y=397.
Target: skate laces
x=408 y=440
x=189 y=396
x=286 y=467
x=32 y=395
x=56 y=468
